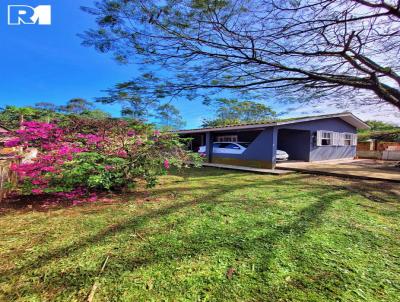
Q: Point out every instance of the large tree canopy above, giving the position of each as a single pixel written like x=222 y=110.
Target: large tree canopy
x=13 y=117
x=138 y=104
x=230 y=112
x=76 y=106
x=343 y=50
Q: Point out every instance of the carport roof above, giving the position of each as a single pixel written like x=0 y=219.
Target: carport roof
x=348 y=117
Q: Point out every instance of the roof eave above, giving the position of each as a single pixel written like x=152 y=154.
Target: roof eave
x=230 y=128
x=348 y=117
x=356 y=122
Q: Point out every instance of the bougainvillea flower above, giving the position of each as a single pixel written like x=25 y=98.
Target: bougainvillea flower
x=166 y=164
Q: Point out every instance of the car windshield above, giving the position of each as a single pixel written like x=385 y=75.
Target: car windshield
x=246 y=145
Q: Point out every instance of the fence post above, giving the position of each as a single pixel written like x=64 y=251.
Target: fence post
x=1 y=182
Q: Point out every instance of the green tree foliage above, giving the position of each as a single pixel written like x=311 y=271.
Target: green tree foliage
x=381 y=126
x=82 y=155
x=84 y=108
x=46 y=106
x=12 y=116
x=76 y=106
x=231 y=112
x=49 y=111
x=134 y=103
x=95 y=114
x=168 y=117
x=380 y=131
x=344 y=51
x=139 y=105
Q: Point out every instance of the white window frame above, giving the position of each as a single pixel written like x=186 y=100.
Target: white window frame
x=350 y=139
x=227 y=139
x=320 y=137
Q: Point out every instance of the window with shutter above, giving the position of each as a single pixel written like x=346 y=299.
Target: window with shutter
x=325 y=138
x=354 y=139
x=336 y=138
x=348 y=139
x=341 y=139
x=319 y=138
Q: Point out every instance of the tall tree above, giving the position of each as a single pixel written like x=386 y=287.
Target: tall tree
x=168 y=116
x=95 y=114
x=381 y=126
x=229 y=112
x=343 y=50
x=77 y=106
x=49 y=111
x=48 y=106
x=12 y=117
x=135 y=103
x=380 y=131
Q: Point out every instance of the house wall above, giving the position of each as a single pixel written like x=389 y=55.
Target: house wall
x=325 y=152
x=260 y=154
x=297 y=139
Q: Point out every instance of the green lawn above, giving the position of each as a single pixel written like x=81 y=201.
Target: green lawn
x=211 y=235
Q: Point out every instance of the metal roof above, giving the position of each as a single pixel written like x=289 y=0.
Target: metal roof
x=348 y=117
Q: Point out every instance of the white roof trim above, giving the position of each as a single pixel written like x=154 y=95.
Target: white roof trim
x=355 y=121
x=239 y=127
x=348 y=117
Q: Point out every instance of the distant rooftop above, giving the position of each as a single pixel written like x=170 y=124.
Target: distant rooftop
x=348 y=117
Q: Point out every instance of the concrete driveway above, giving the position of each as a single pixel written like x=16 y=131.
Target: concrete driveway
x=356 y=168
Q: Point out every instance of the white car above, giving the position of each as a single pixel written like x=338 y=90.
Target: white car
x=238 y=148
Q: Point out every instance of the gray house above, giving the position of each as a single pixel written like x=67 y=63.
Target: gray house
x=315 y=138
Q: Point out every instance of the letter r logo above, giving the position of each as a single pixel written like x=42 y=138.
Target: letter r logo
x=25 y=14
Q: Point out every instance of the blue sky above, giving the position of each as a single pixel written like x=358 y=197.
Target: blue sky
x=48 y=64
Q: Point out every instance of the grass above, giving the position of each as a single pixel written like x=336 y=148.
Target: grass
x=211 y=235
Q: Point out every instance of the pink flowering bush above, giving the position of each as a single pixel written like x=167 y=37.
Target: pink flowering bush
x=82 y=156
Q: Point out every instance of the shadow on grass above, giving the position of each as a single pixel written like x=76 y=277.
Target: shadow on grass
x=196 y=243
x=205 y=243
x=376 y=191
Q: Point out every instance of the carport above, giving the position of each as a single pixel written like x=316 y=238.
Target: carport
x=259 y=154
x=295 y=142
